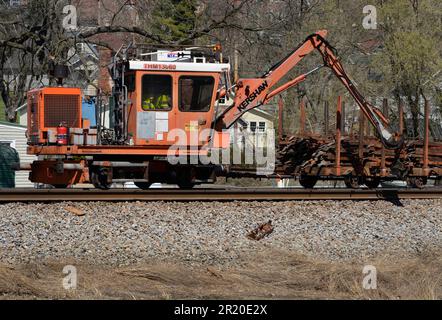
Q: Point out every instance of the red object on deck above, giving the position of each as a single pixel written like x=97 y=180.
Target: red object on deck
x=62 y=135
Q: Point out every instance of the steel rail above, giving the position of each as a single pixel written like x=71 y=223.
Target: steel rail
x=231 y=194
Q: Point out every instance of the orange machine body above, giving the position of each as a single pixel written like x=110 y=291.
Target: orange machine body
x=167 y=104
x=161 y=108
x=48 y=108
x=161 y=127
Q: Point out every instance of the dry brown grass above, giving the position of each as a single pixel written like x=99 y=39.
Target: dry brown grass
x=269 y=275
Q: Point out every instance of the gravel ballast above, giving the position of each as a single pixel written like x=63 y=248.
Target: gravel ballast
x=215 y=232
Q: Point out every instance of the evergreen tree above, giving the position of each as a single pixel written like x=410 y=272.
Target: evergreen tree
x=174 y=20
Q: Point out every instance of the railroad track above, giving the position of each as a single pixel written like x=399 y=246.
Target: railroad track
x=230 y=194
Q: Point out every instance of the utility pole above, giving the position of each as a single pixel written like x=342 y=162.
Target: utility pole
x=235 y=64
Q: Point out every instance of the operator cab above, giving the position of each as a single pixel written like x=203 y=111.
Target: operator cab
x=167 y=96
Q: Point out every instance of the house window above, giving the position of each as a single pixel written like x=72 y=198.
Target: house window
x=262 y=127
x=253 y=126
x=79 y=47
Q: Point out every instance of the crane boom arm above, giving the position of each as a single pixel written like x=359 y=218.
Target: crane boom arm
x=254 y=92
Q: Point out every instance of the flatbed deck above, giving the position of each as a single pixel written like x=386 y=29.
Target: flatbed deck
x=85 y=150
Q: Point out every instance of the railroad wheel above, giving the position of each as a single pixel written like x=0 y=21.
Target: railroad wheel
x=372 y=183
x=143 y=185
x=60 y=186
x=186 y=177
x=353 y=182
x=99 y=179
x=186 y=185
x=416 y=182
x=308 y=182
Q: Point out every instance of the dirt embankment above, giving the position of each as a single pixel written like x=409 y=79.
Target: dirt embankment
x=270 y=275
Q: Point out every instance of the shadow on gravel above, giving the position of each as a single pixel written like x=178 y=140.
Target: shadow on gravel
x=391 y=196
x=267 y=275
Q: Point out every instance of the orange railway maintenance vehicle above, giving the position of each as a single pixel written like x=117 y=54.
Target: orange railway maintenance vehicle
x=164 y=101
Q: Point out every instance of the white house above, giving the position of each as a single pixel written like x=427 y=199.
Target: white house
x=255 y=128
x=13 y=135
x=22 y=115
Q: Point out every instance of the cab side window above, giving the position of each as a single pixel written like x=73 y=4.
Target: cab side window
x=195 y=93
x=156 y=92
